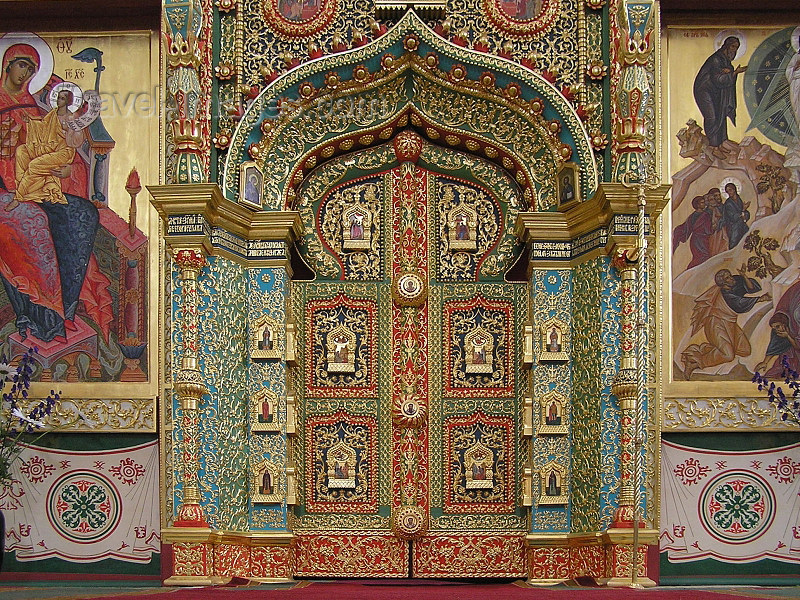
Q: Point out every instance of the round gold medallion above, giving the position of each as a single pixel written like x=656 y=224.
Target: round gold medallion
x=409 y=290
x=409 y=522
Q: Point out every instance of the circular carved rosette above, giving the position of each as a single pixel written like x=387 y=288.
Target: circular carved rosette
x=522 y=18
x=407 y=146
x=410 y=289
x=409 y=522
x=409 y=412
x=299 y=18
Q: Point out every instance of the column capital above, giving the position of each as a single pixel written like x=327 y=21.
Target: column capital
x=190 y=261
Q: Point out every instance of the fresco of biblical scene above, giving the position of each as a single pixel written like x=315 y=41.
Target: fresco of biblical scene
x=74 y=149
x=735 y=201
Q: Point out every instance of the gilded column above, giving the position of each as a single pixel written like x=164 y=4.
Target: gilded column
x=625 y=384
x=190 y=388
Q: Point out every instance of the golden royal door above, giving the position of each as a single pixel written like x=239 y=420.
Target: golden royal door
x=409 y=447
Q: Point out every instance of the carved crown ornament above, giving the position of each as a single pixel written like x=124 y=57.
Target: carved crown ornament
x=182 y=52
x=361 y=93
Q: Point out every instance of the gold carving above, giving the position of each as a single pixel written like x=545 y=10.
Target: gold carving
x=479 y=467
x=264 y=338
x=690 y=414
x=291 y=344
x=409 y=522
x=341 y=461
x=341 y=347
x=554 y=341
x=479 y=351
x=552 y=484
x=527 y=417
x=264 y=411
x=527 y=486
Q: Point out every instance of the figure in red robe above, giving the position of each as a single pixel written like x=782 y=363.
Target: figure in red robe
x=47 y=262
x=697 y=230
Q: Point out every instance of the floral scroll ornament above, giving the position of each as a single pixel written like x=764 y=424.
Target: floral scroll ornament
x=737 y=507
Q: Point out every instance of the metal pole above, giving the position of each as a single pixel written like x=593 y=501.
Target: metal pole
x=641 y=379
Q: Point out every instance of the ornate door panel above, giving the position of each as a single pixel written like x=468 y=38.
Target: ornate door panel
x=409 y=447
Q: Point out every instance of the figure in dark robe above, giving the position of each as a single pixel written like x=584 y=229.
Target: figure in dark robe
x=785 y=335
x=718 y=240
x=265 y=343
x=715 y=93
x=734 y=215
x=266 y=484
x=553 y=488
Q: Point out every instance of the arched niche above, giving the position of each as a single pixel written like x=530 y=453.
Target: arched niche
x=458 y=182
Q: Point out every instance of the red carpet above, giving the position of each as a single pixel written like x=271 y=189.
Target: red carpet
x=437 y=590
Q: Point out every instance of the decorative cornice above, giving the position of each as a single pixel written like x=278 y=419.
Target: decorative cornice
x=610 y=200
x=207 y=200
x=255 y=538
x=623 y=198
x=198 y=535
x=241 y=538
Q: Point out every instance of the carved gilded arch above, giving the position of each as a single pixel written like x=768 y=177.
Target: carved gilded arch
x=454 y=96
x=358 y=180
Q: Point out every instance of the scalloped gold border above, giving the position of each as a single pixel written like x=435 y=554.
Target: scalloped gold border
x=534 y=27
x=299 y=29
